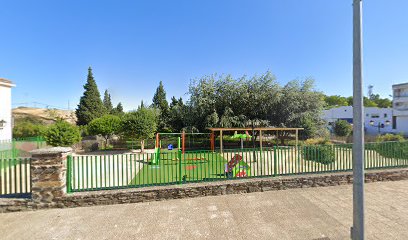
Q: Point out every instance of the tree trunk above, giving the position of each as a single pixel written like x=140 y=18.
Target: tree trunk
x=106 y=142
x=253 y=139
x=142 y=142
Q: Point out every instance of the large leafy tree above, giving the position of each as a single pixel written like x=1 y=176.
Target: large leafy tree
x=232 y=102
x=90 y=105
x=106 y=126
x=107 y=102
x=259 y=101
x=300 y=106
x=140 y=124
x=160 y=102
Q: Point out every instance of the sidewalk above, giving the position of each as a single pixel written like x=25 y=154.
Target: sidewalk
x=313 y=213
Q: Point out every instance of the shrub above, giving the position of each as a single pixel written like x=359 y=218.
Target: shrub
x=28 y=127
x=390 y=138
x=319 y=150
x=62 y=134
x=317 y=141
x=319 y=153
x=342 y=128
x=392 y=149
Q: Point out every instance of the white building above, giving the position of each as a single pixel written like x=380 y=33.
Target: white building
x=5 y=110
x=400 y=106
x=377 y=120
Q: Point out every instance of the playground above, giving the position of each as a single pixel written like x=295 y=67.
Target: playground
x=173 y=164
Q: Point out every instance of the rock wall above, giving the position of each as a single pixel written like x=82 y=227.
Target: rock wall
x=192 y=190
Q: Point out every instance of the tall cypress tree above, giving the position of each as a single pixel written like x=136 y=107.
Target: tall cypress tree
x=107 y=102
x=160 y=102
x=90 y=105
x=118 y=110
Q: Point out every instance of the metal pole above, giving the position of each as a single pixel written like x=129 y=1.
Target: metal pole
x=357 y=231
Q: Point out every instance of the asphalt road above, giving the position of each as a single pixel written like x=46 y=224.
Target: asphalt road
x=314 y=213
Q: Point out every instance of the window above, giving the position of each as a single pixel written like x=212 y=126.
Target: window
x=375 y=116
x=367 y=115
x=394 y=122
x=385 y=115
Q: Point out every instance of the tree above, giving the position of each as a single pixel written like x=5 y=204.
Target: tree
x=242 y=101
x=342 y=128
x=177 y=114
x=118 y=110
x=381 y=102
x=369 y=103
x=300 y=106
x=62 y=134
x=160 y=102
x=107 y=102
x=106 y=126
x=335 y=101
x=90 y=105
x=140 y=124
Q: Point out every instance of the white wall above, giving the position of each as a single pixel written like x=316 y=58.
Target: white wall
x=377 y=115
x=5 y=112
x=384 y=115
x=402 y=125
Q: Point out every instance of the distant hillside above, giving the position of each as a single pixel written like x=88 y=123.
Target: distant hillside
x=47 y=116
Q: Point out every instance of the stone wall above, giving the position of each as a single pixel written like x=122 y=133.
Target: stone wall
x=198 y=190
x=48 y=175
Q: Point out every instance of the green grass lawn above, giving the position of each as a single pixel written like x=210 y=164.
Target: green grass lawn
x=193 y=167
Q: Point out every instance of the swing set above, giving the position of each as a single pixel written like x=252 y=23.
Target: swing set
x=181 y=146
x=260 y=131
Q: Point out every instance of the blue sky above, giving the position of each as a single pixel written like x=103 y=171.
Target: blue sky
x=47 y=46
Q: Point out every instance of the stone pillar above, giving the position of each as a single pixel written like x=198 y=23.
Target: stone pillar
x=48 y=174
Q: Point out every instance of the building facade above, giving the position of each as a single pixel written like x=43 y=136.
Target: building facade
x=5 y=110
x=400 y=106
x=376 y=120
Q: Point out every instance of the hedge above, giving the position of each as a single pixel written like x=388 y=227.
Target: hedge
x=319 y=153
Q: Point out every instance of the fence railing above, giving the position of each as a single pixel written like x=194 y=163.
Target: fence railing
x=20 y=147
x=15 y=177
x=173 y=167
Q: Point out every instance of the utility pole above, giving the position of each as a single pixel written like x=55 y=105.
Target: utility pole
x=357 y=231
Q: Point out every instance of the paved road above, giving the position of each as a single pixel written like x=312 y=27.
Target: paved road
x=313 y=213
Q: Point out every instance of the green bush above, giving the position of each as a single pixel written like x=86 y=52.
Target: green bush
x=62 y=134
x=342 y=128
x=320 y=153
x=27 y=127
x=317 y=141
x=390 y=138
x=392 y=149
x=319 y=150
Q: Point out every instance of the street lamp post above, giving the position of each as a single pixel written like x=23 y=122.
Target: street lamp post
x=380 y=125
x=357 y=230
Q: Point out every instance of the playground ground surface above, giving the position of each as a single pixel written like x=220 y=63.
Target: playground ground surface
x=93 y=172
x=314 y=213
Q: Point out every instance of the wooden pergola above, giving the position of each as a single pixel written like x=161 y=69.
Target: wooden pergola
x=260 y=130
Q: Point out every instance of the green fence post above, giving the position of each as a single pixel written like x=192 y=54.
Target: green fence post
x=275 y=161
x=180 y=168
x=69 y=186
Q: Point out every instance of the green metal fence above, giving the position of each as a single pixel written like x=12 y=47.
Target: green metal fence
x=136 y=170
x=20 y=147
x=15 y=180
